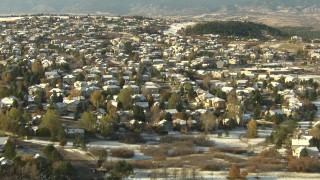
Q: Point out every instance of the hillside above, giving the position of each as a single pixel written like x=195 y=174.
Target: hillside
x=157 y=7
x=234 y=28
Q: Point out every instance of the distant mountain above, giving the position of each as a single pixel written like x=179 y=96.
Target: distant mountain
x=157 y=7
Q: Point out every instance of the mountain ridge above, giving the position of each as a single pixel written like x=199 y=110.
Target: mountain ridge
x=157 y=7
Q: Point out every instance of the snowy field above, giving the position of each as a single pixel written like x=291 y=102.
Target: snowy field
x=8 y=19
x=234 y=139
x=175 y=27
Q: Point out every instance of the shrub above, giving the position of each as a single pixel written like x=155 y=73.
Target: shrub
x=181 y=151
x=43 y=132
x=62 y=169
x=244 y=173
x=203 y=141
x=228 y=150
x=122 y=153
x=271 y=152
x=155 y=151
x=198 y=140
x=142 y=164
x=100 y=153
x=234 y=172
x=209 y=166
x=167 y=139
x=251 y=169
x=132 y=138
x=304 y=164
x=121 y=169
x=219 y=155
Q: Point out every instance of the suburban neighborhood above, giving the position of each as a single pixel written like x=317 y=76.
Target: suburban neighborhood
x=131 y=97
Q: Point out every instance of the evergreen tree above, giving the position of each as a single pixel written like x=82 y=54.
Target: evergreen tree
x=138 y=113
x=9 y=149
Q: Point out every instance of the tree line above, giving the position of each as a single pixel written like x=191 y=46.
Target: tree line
x=234 y=28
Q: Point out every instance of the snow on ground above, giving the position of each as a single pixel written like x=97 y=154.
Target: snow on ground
x=233 y=140
x=284 y=175
x=77 y=151
x=44 y=142
x=229 y=142
x=142 y=174
x=7 y=19
x=262 y=137
x=175 y=27
x=113 y=144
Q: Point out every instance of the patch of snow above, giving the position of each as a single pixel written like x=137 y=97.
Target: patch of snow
x=9 y=19
x=175 y=27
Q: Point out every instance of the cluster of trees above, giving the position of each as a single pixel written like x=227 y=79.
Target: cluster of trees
x=51 y=122
x=282 y=133
x=120 y=170
x=307 y=33
x=15 y=121
x=253 y=103
x=234 y=28
x=51 y=167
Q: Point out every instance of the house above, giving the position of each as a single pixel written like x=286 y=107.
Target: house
x=227 y=89
x=277 y=112
x=3 y=141
x=171 y=111
x=113 y=89
x=151 y=88
x=144 y=105
x=72 y=103
x=52 y=75
x=69 y=79
x=80 y=85
x=242 y=83
x=61 y=108
x=135 y=89
x=217 y=102
x=163 y=125
x=300 y=142
x=8 y=101
x=205 y=95
x=311 y=151
x=5 y=162
x=179 y=123
x=277 y=85
x=135 y=124
x=72 y=132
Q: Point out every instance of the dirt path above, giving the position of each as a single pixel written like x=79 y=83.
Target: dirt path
x=83 y=164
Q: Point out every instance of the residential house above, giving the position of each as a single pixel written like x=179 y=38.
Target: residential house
x=113 y=89
x=135 y=89
x=311 y=152
x=69 y=79
x=7 y=102
x=72 y=132
x=3 y=141
x=150 y=88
